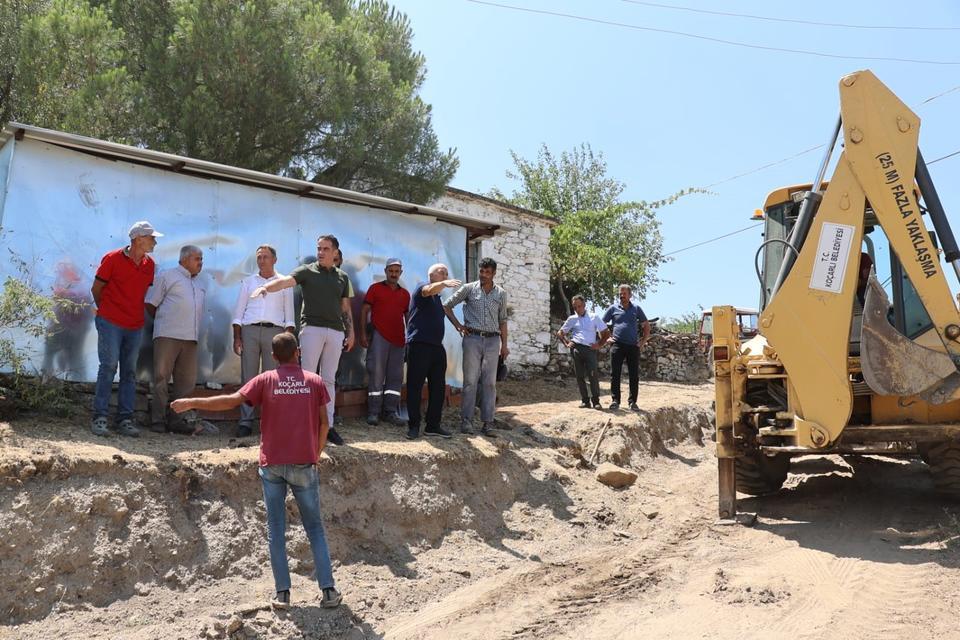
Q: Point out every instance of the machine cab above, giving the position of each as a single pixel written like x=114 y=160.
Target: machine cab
x=779 y=214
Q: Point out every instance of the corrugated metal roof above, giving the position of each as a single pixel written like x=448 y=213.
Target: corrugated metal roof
x=205 y=169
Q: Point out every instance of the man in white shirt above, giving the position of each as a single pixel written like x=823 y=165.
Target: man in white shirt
x=255 y=322
x=175 y=301
x=587 y=333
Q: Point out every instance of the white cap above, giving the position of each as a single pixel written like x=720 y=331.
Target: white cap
x=143 y=228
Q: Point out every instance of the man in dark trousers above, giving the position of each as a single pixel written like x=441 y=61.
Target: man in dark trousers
x=293 y=432
x=426 y=357
x=626 y=320
x=585 y=334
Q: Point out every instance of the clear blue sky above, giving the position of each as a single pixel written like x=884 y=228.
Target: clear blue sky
x=670 y=112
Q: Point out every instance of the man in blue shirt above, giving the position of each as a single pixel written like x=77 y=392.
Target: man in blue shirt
x=626 y=319
x=426 y=357
x=587 y=334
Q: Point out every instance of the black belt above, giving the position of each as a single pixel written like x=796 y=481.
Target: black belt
x=482 y=334
x=269 y=325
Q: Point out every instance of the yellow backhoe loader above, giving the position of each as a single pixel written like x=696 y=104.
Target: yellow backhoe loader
x=845 y=361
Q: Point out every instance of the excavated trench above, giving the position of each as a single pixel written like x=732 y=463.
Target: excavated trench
x=91 y=528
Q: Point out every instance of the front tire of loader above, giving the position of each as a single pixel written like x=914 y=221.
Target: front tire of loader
x=944 y=461
x=759 y=475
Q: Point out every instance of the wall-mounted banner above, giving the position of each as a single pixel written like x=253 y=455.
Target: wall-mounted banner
x=833 y=254
x=61 y=210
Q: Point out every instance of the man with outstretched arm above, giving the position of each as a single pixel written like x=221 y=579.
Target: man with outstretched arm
x=293 y=432
x=326 y=318
x=426 y=356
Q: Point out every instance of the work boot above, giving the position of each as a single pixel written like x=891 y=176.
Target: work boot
x=373 y=420
x=331 y=598
x=438 y=432
x=281 y=600
x=396 y=420
x=205 y=428
x=98 y=426
x=334 y=438
x=466 y=427
x=126 y=427
x=413 y=432
x=634 y=407
x=487 y=430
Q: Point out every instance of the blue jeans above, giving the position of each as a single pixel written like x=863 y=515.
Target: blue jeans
x=480 y=358
x=116 y=345
x=302 y=478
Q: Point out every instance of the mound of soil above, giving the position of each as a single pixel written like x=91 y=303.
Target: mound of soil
x=164 y=535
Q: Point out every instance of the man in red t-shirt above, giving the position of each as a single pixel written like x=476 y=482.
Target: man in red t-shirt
x=293 y=432
x=118 y=290
x=387 y=303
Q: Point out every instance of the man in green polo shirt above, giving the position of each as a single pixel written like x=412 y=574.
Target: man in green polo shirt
x=326 y=319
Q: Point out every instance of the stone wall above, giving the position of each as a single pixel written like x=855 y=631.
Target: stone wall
x=668 y=357
x=522 y=252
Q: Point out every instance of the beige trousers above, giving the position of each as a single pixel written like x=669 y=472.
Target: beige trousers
x=177 y=358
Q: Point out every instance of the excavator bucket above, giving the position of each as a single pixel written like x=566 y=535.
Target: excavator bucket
x=894 y=365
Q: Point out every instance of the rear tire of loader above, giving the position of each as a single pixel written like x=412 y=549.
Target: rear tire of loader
x=760 y=475
x=944 y=462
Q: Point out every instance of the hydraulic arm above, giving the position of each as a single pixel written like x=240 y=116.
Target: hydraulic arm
x=807 y=322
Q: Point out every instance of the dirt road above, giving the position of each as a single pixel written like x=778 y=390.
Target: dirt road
x=850 y=550
x=473 y=538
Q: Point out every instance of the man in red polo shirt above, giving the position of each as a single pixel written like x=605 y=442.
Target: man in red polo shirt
x=293 y=432
x=387 y=303
x=118 y=290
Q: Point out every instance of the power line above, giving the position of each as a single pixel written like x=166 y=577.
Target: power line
x=949 y=155
x=819 y=146
x=932 y=98
x=746 y=45
x=726 y=235
x=766 y=166
x=753 y=226
x=789 y=20
x=733 y=43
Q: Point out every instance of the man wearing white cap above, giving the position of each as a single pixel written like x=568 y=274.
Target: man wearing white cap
x=386 y=302
x=119 y=289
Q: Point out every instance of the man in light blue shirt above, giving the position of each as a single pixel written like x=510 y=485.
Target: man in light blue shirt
x=584 y=334
x=175 y=301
